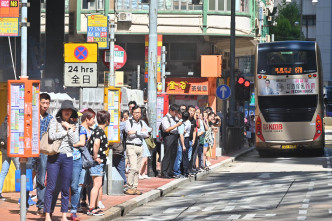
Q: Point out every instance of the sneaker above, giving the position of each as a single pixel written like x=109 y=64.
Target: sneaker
x=84 y=205
x=40 y=212
x=146 y=176
x=208 y=163
x=94 y=212
x=125 y=187
x=101 y=205
x=130 y=192
x=31 y=202
x=74 y=217
x=33 y=197
x=137 y=192
x=140 y=177
x=1 y=197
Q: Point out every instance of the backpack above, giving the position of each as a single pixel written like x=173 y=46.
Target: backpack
x=162 y=133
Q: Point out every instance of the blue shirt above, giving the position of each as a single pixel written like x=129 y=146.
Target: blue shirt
x=76 y=151
x=44 y=122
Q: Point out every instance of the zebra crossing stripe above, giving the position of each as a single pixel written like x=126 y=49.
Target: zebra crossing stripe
x=234 y=216
x=214 y=217
x=249 y=216
x=228 y=208
x=209 y=208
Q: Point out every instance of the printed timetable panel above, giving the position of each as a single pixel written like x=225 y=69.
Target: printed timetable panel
x=112 y=104
x=23 y=118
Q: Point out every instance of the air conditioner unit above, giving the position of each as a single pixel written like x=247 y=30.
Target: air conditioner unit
x=124 y=16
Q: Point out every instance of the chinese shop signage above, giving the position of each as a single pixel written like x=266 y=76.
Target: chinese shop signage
x=192 y=86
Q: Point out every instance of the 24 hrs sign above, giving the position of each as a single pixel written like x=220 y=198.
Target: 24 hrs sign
x=80 y=75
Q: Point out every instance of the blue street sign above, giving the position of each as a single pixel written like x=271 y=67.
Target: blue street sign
x=223 y=92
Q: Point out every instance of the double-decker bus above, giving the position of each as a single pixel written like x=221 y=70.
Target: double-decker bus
x=289 y=97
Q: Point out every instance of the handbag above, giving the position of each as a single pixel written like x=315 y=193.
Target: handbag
x=150 y=142
x=48 y=146
x=87 y=160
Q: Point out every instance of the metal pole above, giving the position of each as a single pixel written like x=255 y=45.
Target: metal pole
x=232 y=67
x=152 y=66
x=138 y=76
x=111 y=82
x=111 y=78
x=163 y=68
x=24 y=74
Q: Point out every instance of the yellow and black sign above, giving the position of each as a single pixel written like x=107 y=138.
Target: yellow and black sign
x=81 y=52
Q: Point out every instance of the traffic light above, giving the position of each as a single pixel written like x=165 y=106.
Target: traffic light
x=246 y=90
x=132 y=80
x=239 y=89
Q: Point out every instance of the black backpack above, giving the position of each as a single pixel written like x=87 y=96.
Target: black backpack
x=162 y=133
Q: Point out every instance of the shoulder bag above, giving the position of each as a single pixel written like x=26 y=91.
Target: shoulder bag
x=48 y=146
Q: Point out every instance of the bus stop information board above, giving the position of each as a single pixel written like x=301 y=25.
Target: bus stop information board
x=98 y=30
x=23 y=118
x=9 y=17
x=112 y=105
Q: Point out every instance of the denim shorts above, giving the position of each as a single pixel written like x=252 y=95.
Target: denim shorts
x=97 y=170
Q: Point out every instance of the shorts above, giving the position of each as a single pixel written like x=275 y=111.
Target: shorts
x=97 y=170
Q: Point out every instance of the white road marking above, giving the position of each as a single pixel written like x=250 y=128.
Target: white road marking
x=228 y=208
x=270 y=215
x=301 y=218
x=330 y=211
x=214 y=217
x=249 y=216
x=173 y=210
x=303 y=212
x=209 y=208
x=234 y=217
x=190 y=218
x=308 y=195
x=305 y=206
x=330 y=194
x=194 y=209
x=306 y=201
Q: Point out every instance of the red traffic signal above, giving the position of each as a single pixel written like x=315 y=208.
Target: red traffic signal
x=247 y=83
x=240 y=80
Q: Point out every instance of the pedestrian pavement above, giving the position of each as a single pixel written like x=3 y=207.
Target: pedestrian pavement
x=117 y=206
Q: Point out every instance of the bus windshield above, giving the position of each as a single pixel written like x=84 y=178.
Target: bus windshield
x=286 y=62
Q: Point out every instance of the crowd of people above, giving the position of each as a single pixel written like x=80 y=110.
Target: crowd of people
x=187 y=133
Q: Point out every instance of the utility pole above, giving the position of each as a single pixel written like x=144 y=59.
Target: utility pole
x=232 y=67
x=152 y=66
x=24 y=74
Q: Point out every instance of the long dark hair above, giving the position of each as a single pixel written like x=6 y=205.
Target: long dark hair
x=144 y=116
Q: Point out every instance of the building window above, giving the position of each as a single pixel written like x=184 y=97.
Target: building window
x=225 y=5
x=93 y=4
x=183 y=51
x=179 y=5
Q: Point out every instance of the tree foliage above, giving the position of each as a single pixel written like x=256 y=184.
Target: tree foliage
x=288 y=23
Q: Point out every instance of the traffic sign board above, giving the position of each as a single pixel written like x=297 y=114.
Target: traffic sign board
x=120 y=57
x=80 y=75
x=98 y=30
x=9 y=8
x=9 y=27
x=223 y=92
x=81 y=52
